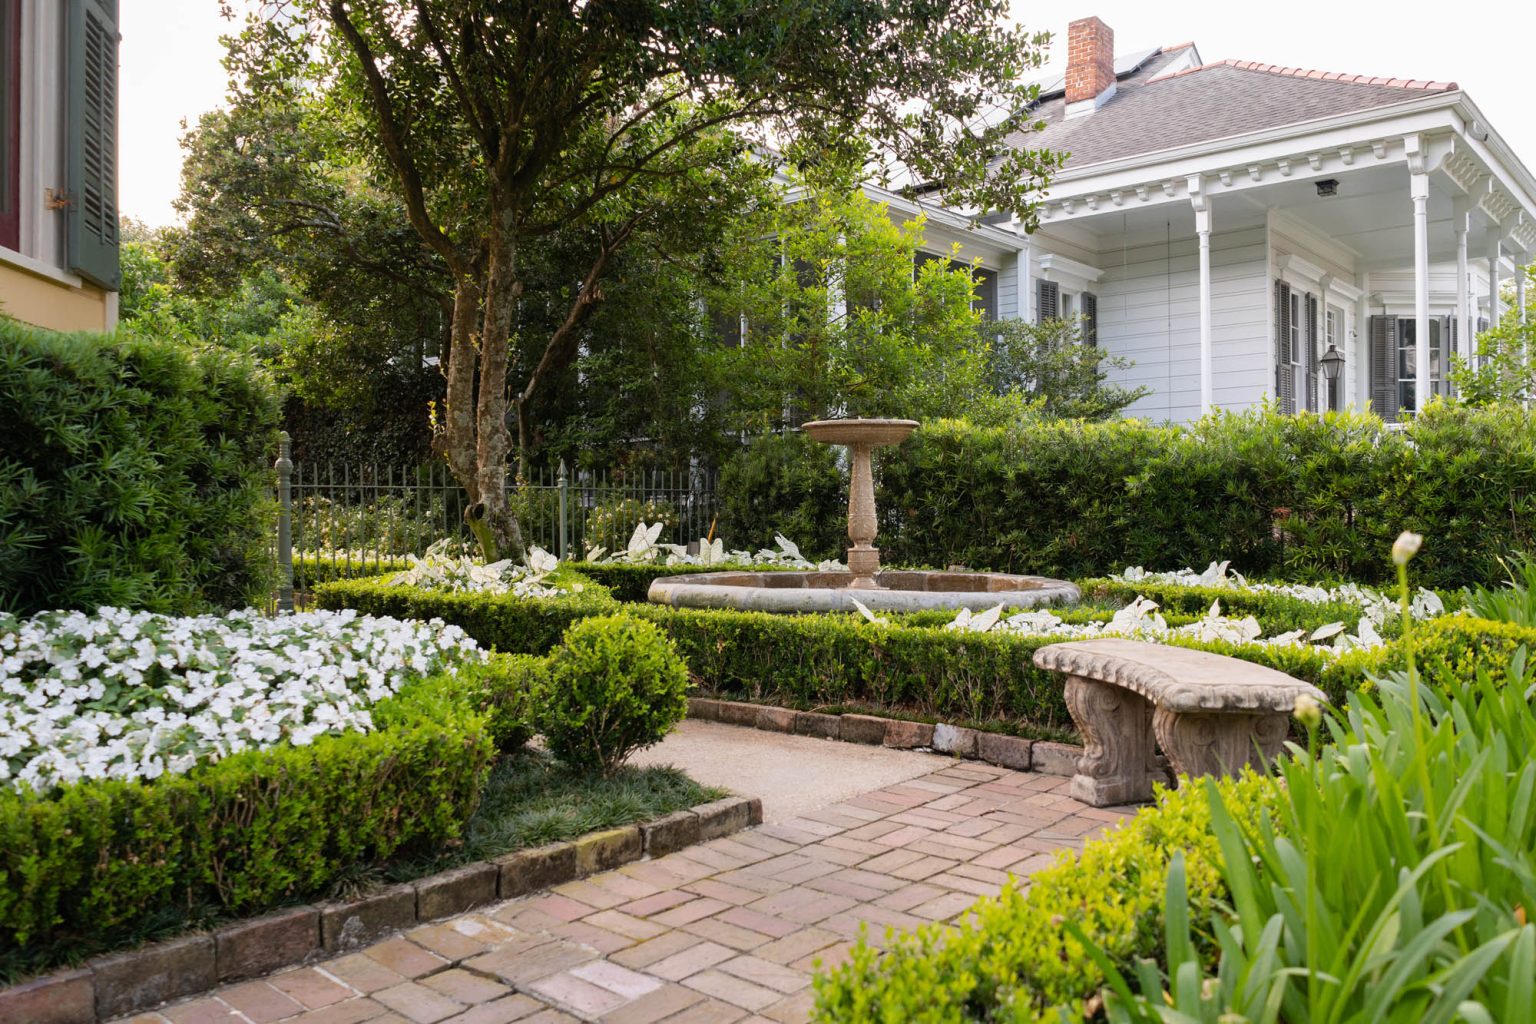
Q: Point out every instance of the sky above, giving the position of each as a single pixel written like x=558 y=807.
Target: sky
x=171 y=73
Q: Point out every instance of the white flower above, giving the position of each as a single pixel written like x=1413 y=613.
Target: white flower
x=1406 y=546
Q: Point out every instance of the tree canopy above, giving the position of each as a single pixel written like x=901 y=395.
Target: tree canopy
x=498 y=124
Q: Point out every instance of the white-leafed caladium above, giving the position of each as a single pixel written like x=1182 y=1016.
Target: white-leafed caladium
x=117 y=694
x=1373 y=604
x=870 y=616
x=967 y=621
x=446 y=566
x=645 y=548
x=1141 y=620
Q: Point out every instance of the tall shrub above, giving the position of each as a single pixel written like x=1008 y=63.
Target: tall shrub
x=133 y=472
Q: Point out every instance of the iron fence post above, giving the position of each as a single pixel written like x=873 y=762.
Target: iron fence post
x=563 y=482
x=284 y=467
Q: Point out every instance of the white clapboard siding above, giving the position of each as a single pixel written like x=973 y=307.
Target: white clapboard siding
x=1149 y=312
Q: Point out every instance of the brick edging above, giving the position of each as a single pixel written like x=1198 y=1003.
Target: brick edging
x=119 y=984
x=1016 y=752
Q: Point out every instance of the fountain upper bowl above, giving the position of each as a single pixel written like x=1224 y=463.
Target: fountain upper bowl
x=860 y=431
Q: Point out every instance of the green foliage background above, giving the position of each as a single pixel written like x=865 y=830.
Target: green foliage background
x=1309 y=498
x=134 y=472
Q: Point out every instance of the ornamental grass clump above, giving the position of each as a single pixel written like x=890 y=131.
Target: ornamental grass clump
x=615 y=685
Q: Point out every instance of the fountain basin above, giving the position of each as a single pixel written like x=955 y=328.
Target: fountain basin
x=898 y=591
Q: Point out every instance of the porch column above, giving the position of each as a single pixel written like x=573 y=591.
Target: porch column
x=1202 y=204
x=1520 y=290
x=1494 y=253
x=1466 y=324
x=1363 y=343
x=1418 y=188
x=1024 y=301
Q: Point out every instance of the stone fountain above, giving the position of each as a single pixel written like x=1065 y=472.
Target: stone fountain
x=864 y=580
x=861 y=437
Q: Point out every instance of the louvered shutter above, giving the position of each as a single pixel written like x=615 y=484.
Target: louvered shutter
x=1285 y=369
x=10 y=123
x=1090 y=319
x=92 y=232
x=1310 y=364
x=1047 y=301
x=1384 y=366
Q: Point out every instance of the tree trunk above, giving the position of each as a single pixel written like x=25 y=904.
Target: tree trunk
x=490 y=517
x=456 y=442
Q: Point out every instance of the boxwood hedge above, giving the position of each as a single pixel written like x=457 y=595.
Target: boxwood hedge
x=814 y=660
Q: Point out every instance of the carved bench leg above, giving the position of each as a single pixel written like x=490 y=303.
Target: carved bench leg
x=1219 y=744
x=1118 y=765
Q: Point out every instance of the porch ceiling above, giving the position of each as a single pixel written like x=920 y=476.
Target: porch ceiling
x=1371 y=215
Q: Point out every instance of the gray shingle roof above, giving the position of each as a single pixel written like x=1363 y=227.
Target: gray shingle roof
x=1148 y=114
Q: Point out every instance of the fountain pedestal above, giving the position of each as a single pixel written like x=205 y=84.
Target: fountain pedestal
x=861 y=437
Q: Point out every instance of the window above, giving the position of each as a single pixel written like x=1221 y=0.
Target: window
x=1407 y=365
x=10 y=123
x=984 y=298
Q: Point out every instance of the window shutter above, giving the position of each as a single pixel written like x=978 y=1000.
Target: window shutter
x=1090 y=319
x=1309 y=364
x=1384 y=366
x=10 y=123
x=1047 y=301
x=92 y=218
x=1285 y=368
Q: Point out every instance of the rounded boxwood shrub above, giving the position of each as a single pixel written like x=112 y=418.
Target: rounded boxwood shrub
x=615 y=685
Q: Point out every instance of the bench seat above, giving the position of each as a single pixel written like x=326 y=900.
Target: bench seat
x=1211 y=714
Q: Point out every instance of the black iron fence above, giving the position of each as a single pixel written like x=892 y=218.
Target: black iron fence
x=349 y=519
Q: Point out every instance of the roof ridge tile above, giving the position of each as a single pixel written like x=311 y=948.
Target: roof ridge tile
x=1327 y=76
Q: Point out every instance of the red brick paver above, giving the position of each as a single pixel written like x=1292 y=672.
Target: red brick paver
x=729 y=931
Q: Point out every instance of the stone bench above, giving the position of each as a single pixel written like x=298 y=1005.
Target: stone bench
x=1210 y=714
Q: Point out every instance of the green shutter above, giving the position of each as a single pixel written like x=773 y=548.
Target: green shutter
x=1047 y=301
x=1384 y=388
x=1285 y=367
x=93 y=141
x=1090 y=319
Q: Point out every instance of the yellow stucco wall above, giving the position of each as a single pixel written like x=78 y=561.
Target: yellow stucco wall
x=52 y=304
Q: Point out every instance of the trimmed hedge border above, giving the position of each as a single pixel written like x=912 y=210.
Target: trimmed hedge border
x=119 y=984
x=817 y=660
x=1016 y=752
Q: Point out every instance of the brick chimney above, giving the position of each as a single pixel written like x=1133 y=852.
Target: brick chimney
x=1090 y=65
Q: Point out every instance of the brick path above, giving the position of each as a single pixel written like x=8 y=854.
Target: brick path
x=731 y=930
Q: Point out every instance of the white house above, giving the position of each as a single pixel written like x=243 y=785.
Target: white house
x=1227 y=224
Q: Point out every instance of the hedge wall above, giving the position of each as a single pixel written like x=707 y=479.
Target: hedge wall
x=243 y=833
x=1297 y=497
x=134 y=473
x=814 y=660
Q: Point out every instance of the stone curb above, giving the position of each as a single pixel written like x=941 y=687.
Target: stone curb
x=1015 y=752
x=136 y=980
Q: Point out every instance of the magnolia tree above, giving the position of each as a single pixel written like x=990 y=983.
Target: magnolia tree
x=500 y=124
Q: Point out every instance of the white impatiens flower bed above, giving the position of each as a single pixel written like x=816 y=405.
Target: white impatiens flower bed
x=117 y=694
